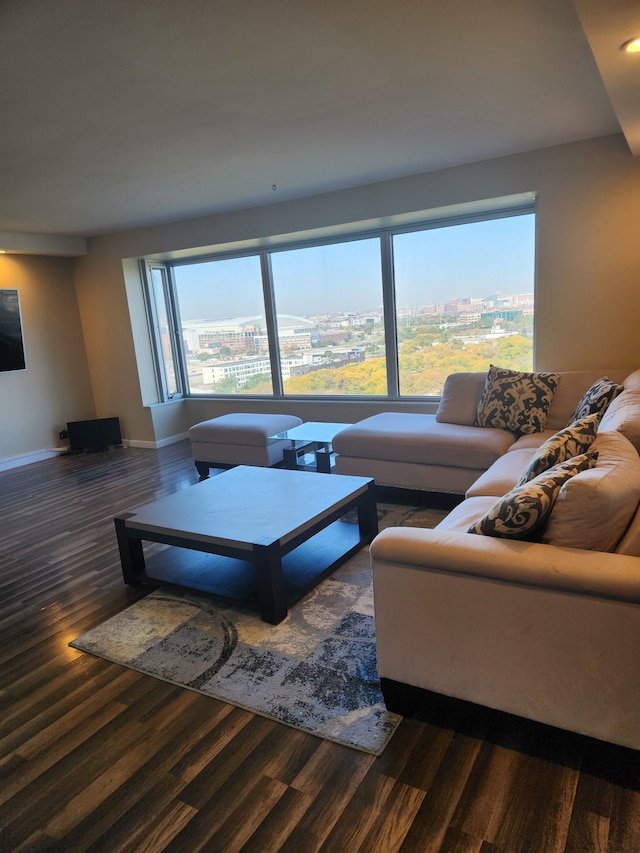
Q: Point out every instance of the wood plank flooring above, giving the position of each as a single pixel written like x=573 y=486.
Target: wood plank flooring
x=94 y=757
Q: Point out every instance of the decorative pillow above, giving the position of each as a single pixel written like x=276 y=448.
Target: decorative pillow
x=596 y=399
x=569 y=442
x=524 y=510
x=516 y=401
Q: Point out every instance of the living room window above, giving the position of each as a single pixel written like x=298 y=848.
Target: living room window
x=330 y=323
x=224 y=326
x=387 y=313
x=464 y=299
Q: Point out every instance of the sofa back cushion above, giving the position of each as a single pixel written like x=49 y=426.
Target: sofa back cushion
x=623 y=415
x=460 y=397
x=594 y=508
x=573 y=385
x=630 y=542
x=632 y=381
x=462 y=391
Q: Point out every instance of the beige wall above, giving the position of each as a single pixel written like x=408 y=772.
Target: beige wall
x=588 y=271
x=35 y=404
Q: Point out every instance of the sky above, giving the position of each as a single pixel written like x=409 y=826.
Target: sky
x=474 y=259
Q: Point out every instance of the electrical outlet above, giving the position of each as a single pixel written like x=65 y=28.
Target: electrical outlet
x=64 y=434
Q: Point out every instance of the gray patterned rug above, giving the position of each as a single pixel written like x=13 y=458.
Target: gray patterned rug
x=315 y=671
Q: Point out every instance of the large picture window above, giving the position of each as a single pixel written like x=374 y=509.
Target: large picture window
x=330 y=320
x=224 y=327
x=388 y=314
x=464 y=298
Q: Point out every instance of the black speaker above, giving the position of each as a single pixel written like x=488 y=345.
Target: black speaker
x=98 y=434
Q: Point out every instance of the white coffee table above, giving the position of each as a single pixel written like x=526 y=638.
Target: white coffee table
x=266 y=535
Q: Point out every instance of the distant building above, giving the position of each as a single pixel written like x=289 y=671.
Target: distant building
x=246 y=334
x=508 y=315
x=241 y=371
x=352 y=357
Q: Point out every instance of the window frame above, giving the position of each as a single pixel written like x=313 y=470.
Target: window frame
x=174 y=330
x=525 y=206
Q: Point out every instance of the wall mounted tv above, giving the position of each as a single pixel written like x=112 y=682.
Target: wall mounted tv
x=11 y=341
x=95 y=435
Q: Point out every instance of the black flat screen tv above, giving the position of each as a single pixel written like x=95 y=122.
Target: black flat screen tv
x=11 y=341
x=98 y=434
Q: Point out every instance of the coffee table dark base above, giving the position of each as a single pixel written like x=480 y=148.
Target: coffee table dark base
x=270 y=577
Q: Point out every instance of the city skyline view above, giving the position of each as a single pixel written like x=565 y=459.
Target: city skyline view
x=453 y=297
x=497 y=256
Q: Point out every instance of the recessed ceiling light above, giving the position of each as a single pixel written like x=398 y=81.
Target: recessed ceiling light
x=632 y=46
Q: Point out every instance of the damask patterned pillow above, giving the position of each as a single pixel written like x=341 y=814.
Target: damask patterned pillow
x=524 y=510
x=565 y=444
x=516 y=401
x=596 y=399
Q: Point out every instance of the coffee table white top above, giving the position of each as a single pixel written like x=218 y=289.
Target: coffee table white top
x=248 y=506
x=319 y=431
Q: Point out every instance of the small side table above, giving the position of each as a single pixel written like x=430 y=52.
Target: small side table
x=314 y=436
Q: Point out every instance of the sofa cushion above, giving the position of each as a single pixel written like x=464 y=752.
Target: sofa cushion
x=569 y=442
x=466 y=513
x=503 y=475
x=420 y=439
x=630 y=542
x=623 y=415
x=596 y=399
x=632 y=381
x=516 y=401
x=524 y=510
x=532 y=441
x=460 y=397
x=593 y=510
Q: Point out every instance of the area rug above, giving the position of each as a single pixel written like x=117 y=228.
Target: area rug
x=315 y=671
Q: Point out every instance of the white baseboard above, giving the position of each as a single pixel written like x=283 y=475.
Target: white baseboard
x=28 y=458
x=154 y=445
x=49 y=453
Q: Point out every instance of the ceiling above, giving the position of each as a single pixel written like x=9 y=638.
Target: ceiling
x=123 y=113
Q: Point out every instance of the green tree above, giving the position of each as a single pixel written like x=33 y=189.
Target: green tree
x=255 y=381
x=228 y=385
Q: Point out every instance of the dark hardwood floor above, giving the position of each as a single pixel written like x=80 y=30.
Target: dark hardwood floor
x=97 y=757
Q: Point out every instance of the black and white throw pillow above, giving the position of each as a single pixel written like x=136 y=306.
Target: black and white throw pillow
x=596 y=400
x=565 y=444
x=523 y=511
x=516 y=401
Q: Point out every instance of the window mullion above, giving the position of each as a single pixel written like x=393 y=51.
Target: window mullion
x=389 y=312
x=175 y=322
x=272 y=323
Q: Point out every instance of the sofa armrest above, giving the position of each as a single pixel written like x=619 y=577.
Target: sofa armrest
x=543 y=632
x=605 y=575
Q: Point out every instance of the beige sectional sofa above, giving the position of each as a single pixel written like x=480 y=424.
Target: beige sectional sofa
x=445 y=452
x=546 y=627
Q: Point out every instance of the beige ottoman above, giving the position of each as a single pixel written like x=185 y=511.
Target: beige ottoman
x=239 y=439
